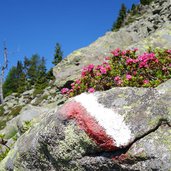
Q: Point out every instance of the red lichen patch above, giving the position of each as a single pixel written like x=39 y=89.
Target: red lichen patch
x=74 y=110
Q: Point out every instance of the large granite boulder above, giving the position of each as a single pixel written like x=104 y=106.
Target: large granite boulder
x=119 y=129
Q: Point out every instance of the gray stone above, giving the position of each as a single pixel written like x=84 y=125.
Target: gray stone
x=55 y=143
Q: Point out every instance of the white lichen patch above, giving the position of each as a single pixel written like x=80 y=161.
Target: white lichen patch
x=111 y=121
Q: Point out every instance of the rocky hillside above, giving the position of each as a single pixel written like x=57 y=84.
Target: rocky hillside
x=118 y=129
x=124 y=128
x=150 y=29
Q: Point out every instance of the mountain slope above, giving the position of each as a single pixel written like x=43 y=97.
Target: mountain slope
x=151 y=29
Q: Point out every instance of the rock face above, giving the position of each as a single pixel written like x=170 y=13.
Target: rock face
x=119 y=129
x=122 y=129
x=155 y=22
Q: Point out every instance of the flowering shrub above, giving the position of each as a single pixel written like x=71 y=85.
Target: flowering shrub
x=124 y=68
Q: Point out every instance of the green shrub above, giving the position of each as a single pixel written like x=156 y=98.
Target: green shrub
x=40 y=99
x=2 y=110
x=124 y=68
x=146 y=2
x=2 y=124
x=4 y=154
x=26 y=126
x=15 y=111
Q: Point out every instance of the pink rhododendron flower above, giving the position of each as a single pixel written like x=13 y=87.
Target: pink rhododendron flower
x=98 y=74
x=105 y=63
x=116 y=52
x=145 y=58
x=128 y=51
x=146 y=81
x=169 y=65
x=134 y=72
x=108 y=67
x=123 y=52
x=83 y=73
x=103 y=70
x=143 y=64
x=91 y=90
x=90 y=67
x=135 y=49
x=128 y=77
x=87 y=69
x=117 y=78
x=119 y=82
x=72 y=84
x=98 y=67
x=169 y=51
x=164 y=68
x=78 y=81
x=107 y=58
x=130 y=61
x=64 y=90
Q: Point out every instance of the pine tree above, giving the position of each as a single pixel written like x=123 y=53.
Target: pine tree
x=10 y=85
x=122 y=12
x=26 y=65
x=58 y=54
x=50 y=75
x=146 y=2
x=42 y=80
x=134 y=10
x=122 y=15
x=41 y=74
x=21 y=78
x=31 y=74
x=33 y=69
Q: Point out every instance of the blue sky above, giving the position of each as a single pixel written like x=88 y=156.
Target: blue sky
x=35 y=26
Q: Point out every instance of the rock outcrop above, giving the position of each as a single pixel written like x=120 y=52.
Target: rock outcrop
x=119 y=129
x=151 y=29
x=122 y=129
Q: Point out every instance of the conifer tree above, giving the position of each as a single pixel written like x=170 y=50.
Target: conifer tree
x=21 y=78
x=122 y=15
x=10 y=85
x=42 y=80
x=41 y=73
x=134 y=10
x=58 y=54
x=33 y=69
x=146 y=2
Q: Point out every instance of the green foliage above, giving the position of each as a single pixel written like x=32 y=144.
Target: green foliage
x=58 y=54
x=4 y=154
x=40 y=99
x=124 y=68
x=31 y=73
x=15 y=111
x=50 y=75
x=41 y=80
x=146 y=2
x=11 y=133
x=133 y=13
x=2 y=136
x=2 y=110
x=10 y=84
x=2 y=123
x=21 y=78
x=120 y=19
x=26 y=76
x=26 y=125
x=5 y=118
